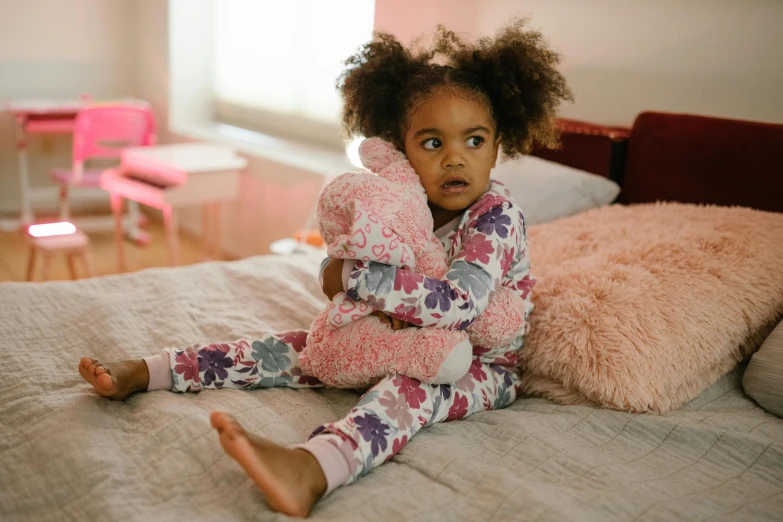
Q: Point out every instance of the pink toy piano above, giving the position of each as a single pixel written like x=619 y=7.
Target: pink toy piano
x=167 y=177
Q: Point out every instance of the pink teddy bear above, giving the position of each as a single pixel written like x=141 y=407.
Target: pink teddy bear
x=385 y=218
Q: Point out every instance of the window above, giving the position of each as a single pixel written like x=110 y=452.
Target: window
x=276 y=63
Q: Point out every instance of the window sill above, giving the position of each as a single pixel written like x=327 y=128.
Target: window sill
x=320 y=161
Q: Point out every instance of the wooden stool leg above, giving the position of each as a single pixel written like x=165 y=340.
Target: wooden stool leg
x=119 y=239
x=88 y=266
x=172 y=234
x=47 y=265
x=30 y=264
x=71 y=265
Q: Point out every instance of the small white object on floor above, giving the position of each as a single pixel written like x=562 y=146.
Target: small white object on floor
x=289 y=245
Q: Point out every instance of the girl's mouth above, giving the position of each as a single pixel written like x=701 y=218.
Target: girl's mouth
x=454 y=185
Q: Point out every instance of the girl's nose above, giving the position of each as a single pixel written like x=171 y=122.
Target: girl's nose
x=452 y=159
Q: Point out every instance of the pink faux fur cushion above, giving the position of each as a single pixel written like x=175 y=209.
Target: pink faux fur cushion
x=640 y=308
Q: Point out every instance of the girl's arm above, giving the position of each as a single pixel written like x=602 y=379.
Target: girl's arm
x=494 y=242
x=331 y=277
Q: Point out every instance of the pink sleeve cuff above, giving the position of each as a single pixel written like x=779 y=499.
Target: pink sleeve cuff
x=331 y=460
x=160 y=371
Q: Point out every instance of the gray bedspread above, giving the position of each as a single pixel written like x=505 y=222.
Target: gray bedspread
x=67 y=454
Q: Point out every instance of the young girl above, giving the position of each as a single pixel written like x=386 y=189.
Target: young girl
x=450 y=118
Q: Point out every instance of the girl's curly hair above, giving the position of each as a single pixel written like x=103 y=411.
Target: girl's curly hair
x=515 y=75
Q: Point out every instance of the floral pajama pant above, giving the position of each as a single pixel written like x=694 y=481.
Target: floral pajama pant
x=386 y=417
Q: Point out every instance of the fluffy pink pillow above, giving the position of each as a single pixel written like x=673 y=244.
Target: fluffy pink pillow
x=642 y=307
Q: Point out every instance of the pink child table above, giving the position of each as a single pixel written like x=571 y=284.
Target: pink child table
x=38 y=117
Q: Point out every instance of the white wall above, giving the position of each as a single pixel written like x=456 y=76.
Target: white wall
x=711 y=57
x=60 y=49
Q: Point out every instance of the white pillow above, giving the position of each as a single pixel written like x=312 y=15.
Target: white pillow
x=763 y=379
x=547 y=191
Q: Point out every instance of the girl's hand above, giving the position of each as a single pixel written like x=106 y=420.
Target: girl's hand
x=391 y=322
x=333 y=278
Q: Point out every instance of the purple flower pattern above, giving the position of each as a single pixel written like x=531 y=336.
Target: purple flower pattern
x=374 y=431
x=440 y=296
x=212 y=364
x=494 y=222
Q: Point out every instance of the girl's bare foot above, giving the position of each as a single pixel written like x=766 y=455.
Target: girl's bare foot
x=115 y=380
x=291 y=480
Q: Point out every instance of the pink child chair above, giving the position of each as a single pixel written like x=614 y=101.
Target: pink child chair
x=101 y=132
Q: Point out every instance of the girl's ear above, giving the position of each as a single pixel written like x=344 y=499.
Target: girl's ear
x=495 y=149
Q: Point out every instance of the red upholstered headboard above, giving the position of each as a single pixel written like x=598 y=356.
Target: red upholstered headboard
x=586 y=146
x=696 y=159
x=681 y=157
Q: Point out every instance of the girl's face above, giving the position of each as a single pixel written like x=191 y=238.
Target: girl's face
x=451 y=141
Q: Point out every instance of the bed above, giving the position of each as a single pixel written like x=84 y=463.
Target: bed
x=66 y=454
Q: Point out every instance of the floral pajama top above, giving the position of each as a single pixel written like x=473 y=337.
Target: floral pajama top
x=486 y=249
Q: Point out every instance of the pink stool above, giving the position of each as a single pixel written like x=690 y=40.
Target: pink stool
x=57 y=238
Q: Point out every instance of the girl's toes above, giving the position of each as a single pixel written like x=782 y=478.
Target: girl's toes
x=219 y=420
x=105 y=384
x=84 y=371
x=223 y=422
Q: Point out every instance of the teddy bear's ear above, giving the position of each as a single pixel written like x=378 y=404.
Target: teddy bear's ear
x=376 y=154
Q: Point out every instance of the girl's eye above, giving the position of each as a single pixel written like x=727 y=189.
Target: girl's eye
x=475 y=141
x=431 y=144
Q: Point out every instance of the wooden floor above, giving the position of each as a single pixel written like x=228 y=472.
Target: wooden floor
x=14 y=254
